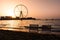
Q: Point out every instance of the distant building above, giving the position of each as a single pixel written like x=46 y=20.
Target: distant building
x=31 y=18
x=17 y=17
x=5 y=17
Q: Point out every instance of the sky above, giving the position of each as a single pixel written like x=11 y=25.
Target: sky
x=36 y=8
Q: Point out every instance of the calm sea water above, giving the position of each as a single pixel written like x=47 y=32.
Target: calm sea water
x=19 y=24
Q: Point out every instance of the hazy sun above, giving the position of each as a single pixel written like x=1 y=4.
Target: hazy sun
x=9 y=11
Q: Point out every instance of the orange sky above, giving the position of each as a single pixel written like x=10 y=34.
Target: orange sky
x=36 y=8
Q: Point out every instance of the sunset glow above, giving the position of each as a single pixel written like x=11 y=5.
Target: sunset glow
x=36 y=8
x=9 y=12
x=7 y=9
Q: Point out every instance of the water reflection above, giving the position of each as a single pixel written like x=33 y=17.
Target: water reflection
x=18 y=25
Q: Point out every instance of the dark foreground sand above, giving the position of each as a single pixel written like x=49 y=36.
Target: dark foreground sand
x=12 y=35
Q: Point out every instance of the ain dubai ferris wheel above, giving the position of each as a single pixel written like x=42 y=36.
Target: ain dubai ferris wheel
x=21 y=11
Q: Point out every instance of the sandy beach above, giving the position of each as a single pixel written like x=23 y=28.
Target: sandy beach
x=17 y=35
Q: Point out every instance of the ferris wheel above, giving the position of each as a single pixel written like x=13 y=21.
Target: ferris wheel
x=21 y=11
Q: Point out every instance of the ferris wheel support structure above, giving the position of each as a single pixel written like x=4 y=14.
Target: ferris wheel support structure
x=21 y=10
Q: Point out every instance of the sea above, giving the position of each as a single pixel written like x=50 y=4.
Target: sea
x=20 y=25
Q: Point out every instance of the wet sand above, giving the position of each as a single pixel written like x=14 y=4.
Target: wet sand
x=17 y=35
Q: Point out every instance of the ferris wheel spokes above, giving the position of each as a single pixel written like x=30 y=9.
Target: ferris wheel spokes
x=21 y=11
